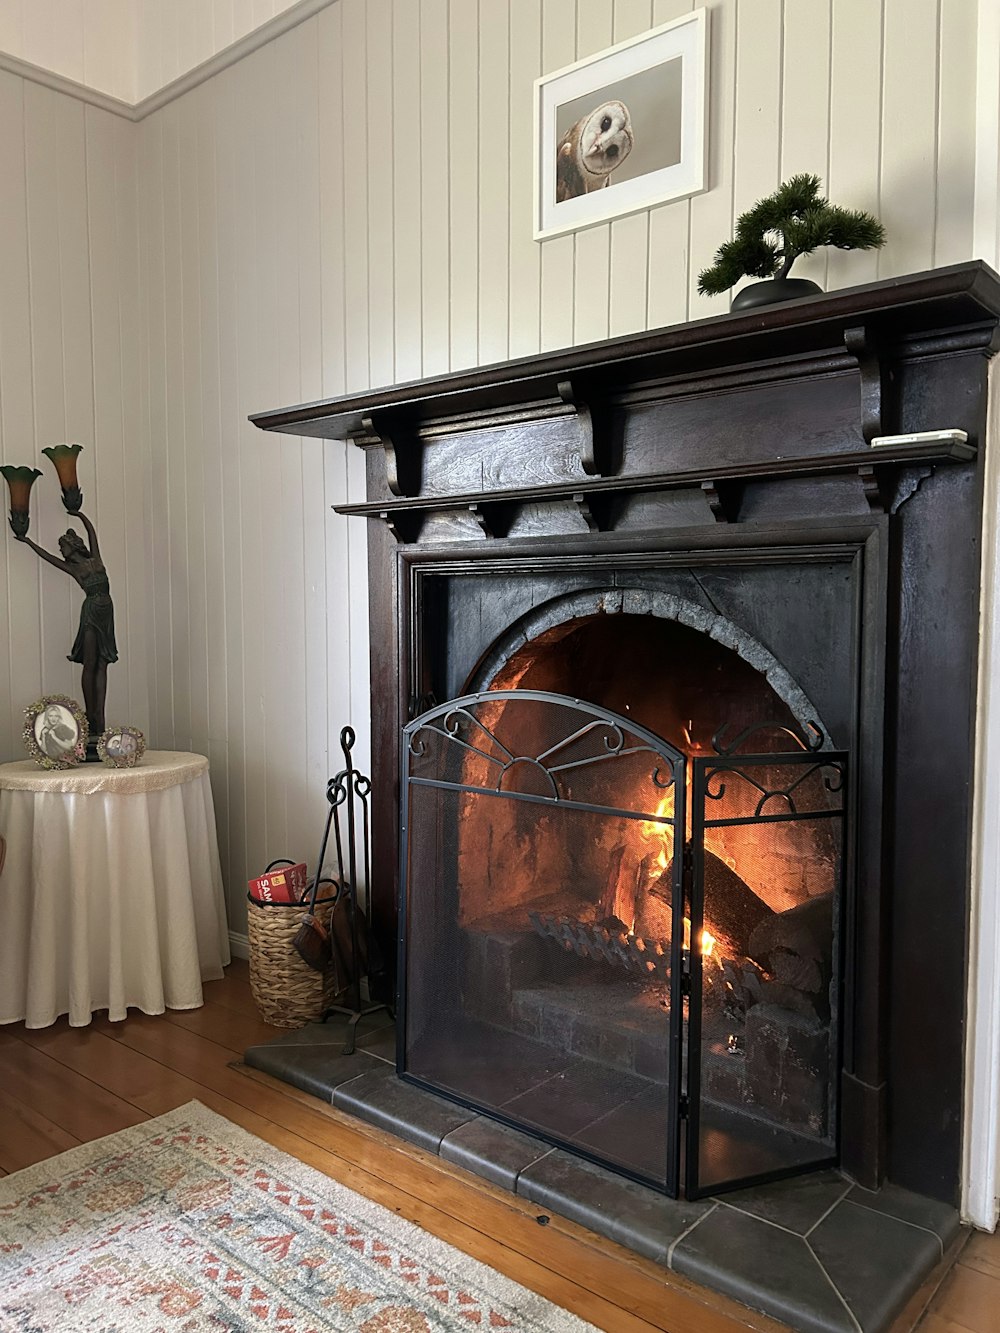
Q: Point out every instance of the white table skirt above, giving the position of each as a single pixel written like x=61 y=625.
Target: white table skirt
x=111 y=895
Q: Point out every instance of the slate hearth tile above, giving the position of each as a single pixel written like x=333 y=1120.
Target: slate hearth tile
x=912 y=1208
x=316 y=1069
x=383 y=1099
x=622 y=1210
x=380 y=1043
x=633 y=1135
x=765 y=1268
x=796 y=1204
x=578 y=1095
x=875 y=1261
x=491 y=1150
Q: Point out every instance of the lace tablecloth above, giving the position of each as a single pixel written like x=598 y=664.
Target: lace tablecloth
x=111 y=895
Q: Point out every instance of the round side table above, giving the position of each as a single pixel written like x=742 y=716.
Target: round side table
x=111 y=895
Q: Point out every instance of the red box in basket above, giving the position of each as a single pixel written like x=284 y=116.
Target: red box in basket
x=284 y=885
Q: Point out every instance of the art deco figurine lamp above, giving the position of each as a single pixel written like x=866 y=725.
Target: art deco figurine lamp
x=94 y=647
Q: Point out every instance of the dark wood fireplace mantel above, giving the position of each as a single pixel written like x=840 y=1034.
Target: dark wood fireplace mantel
x=902 y=317
x=735 y=442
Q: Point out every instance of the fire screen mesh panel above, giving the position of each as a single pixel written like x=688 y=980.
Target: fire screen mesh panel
x=541 y=923
x=767 y=842
x=591 y=956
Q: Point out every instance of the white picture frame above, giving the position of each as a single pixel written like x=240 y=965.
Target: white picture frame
x=664 y=143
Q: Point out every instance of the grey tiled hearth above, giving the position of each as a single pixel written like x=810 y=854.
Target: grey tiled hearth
x=817 y=1252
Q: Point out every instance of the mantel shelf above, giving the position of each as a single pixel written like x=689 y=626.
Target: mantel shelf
x=860 y=462
x=961 y=301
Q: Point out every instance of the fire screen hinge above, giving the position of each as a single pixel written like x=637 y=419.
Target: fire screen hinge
x=688 y=858
x=683 y=1107
x=685 y=982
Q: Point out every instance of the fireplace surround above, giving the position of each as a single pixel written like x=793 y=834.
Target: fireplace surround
x=752 y=544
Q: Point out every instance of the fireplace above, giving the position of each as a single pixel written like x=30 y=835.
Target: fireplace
x=674 y=645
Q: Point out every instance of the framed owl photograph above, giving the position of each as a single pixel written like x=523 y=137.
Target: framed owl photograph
x=623 y=130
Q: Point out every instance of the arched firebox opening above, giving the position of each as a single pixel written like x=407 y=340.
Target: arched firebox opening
x=559 y=897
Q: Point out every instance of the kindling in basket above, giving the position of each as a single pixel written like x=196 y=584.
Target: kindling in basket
x=331 y=940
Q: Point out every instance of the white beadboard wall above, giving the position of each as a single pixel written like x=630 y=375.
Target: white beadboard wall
x=346 y=207
x=69 y=370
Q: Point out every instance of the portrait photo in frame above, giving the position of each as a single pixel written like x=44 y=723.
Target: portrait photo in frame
x=55 y=731
x=121 y=747
x=622 y=130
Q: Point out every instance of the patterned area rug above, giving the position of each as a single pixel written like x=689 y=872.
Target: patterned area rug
x=188 y=1223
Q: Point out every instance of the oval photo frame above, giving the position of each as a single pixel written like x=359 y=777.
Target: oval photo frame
x=121 y=747
x=55 y=731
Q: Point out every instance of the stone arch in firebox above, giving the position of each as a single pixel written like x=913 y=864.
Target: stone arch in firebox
x=679 y=668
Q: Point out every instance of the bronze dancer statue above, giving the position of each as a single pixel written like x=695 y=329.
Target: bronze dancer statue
x=94 y=646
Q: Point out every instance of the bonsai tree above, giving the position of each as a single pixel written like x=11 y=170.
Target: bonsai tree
x=795 y=220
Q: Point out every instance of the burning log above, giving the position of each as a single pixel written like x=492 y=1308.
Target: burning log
x=796 y=948
x=733 y=912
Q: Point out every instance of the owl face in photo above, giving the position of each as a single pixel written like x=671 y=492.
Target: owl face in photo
x=606 y=138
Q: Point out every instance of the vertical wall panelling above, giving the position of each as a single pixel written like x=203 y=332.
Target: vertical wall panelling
x=525 y=252
x=57 y=240
x=334 y=604
x=909 y=135
x=153 y=421
x=354 y=113
x=281 y=470
x=209 y=406
x=288 y=509
x=174 y=514
x=378 y=14
x=805 y=106
x=407 y=161
x=463 y=193
x=131 y=577
x=231 y=216
x=986 y=215
x=494 y=178
x=629 y=235
x=592 y=252
x=329 y=45
x=310 y=513
x=105 y=465
x=855 y=156
x=712 y=212
x=435 y=208
x=956 y=159
x=253 y=163
x=20 y=658
x=757 y=156
x=263 y=516
x=196 y=354
x=558 y=49
x=669 y=226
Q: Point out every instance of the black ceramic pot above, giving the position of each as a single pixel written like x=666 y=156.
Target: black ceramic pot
x=772 y=290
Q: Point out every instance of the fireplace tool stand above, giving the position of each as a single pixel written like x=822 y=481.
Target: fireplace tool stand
x=355 y=955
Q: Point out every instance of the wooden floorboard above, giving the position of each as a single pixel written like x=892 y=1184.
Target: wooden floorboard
x=64 y=1085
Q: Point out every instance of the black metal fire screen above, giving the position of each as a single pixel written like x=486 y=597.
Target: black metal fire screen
x=559 y=900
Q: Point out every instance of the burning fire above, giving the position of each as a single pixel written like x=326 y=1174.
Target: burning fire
x=708 y=940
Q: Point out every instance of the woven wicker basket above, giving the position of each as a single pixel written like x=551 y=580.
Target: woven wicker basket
x=287 y=992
